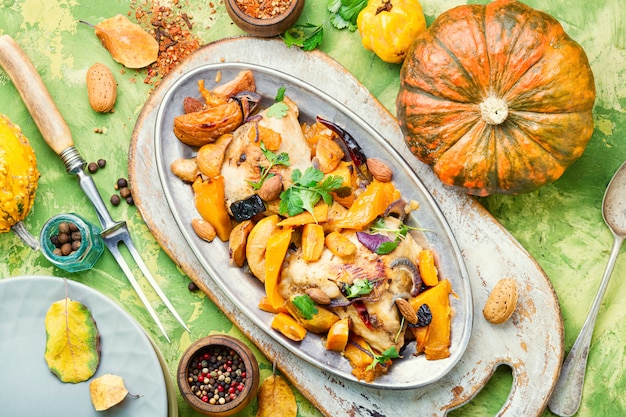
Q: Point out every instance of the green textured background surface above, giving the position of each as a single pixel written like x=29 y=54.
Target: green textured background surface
x=560 y=224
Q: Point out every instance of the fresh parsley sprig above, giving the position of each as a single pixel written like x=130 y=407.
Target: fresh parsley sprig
x=345 y=12
x=358 y=288
x=305 y=305
x=343 y=15
x=383 y=358
x=279 y=109
x=274 y=159
x=306 y=36
x=307 y=190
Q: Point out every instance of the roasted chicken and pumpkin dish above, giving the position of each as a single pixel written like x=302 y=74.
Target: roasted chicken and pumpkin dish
x=321 y=226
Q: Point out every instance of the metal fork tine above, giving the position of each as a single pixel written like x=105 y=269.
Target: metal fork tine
x=122 y=263
x=146 y=272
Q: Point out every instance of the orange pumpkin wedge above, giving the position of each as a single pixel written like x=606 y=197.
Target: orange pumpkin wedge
x=289 y=327
x=427 y=268
x=312 y=242
x=438 y=339
x=275 y=252
x=337 y=337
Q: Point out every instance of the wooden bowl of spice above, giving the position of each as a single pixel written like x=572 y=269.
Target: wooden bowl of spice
x=218 y=375
x=265 y=18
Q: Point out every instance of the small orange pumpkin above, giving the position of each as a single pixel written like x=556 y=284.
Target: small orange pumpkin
x=497 y=98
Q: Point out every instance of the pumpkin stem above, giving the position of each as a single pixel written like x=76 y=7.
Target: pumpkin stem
x=386 y=7
x=20 y=230
x=494 y=110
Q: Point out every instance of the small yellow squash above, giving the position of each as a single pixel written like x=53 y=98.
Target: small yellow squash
x=388 y=27
x=18 y=175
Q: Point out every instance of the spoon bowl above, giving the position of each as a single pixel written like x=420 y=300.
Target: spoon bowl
x=567 y=394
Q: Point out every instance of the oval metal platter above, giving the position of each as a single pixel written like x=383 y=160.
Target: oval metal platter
x=244 y=290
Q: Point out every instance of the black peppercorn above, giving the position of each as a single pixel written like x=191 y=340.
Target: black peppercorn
x=192 y=287
x=92 y=167
x=125 y=192
x=102 y=163
x=130 y=201
x=115 y=200
x=121 y=183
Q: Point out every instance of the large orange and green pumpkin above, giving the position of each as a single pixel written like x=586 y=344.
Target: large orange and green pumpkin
x=497 y=98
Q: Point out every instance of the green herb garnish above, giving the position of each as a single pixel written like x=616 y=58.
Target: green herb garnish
x=358 y=288
x=343 y=15
x=279 y=109
x=280 y=94
x=387 y=247
x=400 y=232
x=306 y=36
x=274 y=159
x=345 y=12
x=305 y=305
x=307 y=190
x=383 y=358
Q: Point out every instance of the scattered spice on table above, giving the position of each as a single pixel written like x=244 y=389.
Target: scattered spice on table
x=217 y=375
x=171 y=27
x=125 y=193
x=263 y=9
x=93 y=167
x=116 y=200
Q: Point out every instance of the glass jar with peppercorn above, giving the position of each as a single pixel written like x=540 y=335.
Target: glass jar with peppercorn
x=70 y=242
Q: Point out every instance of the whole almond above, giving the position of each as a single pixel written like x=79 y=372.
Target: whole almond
x=317 y=295
x=101 y=88
x=271 y=188
x=192 y=105
x=185 y=168
x=501 y=301
x=237 y=242
x=203 y=229
x=379 y=169
x=406 y=310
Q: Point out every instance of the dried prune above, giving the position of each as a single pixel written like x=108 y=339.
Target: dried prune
x=247 y=208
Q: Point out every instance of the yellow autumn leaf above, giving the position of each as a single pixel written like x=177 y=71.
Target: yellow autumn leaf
x=107 y=391
x=276 y=399
x=72 y=341
x=127 y=42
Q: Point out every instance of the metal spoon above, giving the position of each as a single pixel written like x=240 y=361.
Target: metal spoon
x=567 y=393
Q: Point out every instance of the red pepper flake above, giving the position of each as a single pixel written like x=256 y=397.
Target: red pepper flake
x=361 y=309
x=263 y=9
x=171 y=27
